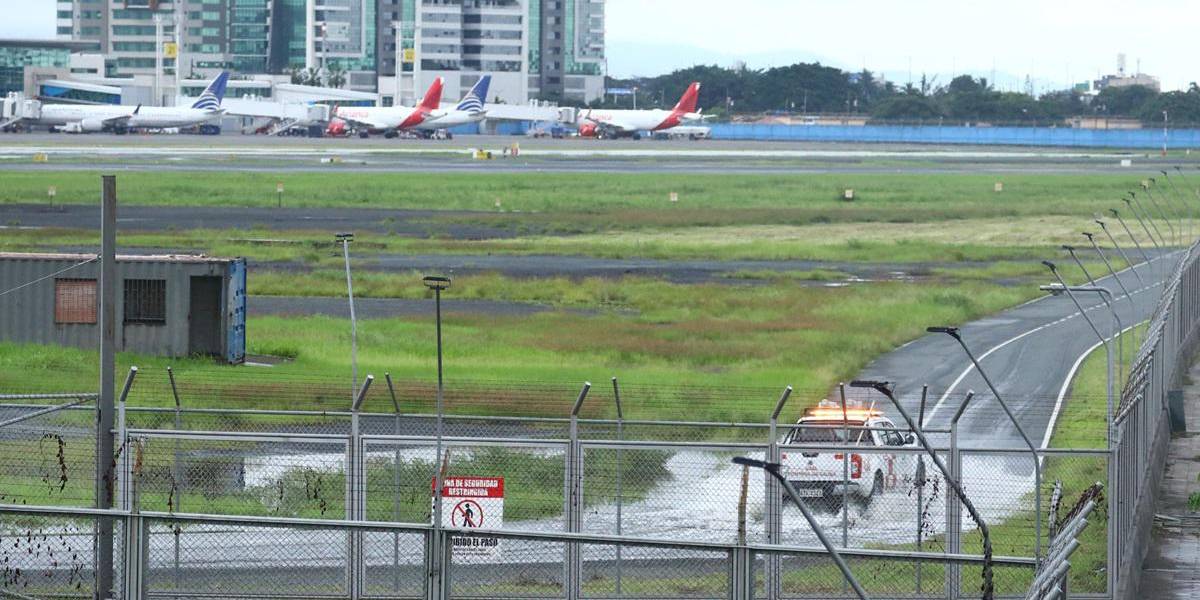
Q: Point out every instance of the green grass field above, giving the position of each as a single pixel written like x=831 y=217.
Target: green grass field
x=639 y=198
x=742 y=328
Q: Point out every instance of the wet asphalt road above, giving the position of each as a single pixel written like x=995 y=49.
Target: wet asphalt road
x=1030 y=353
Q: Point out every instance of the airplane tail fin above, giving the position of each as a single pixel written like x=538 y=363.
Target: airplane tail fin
x=433 y=96
x=213 y=94
x=687 y=103
x=475 y=99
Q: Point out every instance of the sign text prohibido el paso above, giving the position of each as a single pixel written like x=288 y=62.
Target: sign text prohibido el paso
x=473 y=503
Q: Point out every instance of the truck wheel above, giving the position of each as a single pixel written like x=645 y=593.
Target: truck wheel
x=876 y=490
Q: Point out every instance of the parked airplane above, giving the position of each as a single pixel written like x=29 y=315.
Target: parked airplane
x=630 y=123
x=469 y=110
x=388 y=120
x=80 y=118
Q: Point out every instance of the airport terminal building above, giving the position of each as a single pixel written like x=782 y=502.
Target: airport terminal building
x=534 y=49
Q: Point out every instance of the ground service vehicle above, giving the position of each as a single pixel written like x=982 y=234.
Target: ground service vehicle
x=827 y=477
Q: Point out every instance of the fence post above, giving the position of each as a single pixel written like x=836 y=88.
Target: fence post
x=437 y=564
x=954 y=507
x=107 y=318
x=395 y=487
x=845 y=470
x=176 y=478
x=574 y=499
x=356 y=494
x=1112 y=556
x=137 y=540
x=124 y=473
x=741 y=573
x=620 y=476
x=774 y=499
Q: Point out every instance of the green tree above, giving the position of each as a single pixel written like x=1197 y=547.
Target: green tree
x=1123 y=101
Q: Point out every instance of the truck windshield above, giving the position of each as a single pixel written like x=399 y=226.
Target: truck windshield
x=831 y=432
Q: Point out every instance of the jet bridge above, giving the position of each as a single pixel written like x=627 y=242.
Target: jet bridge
x=17 y=108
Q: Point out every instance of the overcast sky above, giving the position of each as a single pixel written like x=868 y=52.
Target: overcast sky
x=1054 y=41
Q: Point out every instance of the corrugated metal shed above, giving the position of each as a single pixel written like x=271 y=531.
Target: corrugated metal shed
x=167 y=305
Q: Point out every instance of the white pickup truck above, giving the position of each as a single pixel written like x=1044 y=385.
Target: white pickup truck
x=822 y=475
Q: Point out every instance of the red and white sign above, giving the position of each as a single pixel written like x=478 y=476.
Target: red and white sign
x=473 y=503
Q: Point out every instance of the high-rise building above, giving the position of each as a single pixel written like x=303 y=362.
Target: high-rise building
x=458 y=40
x=552 y=49
x=342 y=37
x=213 y=35
x=566 y=53
x=562 y=41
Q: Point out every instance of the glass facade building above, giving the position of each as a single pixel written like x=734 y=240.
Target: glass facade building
x=15 y=55
x=558 y=45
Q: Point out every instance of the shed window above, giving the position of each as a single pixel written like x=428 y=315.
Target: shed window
x=75 y=301
x=146 y=301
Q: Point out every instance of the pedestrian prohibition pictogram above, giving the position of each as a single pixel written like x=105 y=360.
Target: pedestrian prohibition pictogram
x=467 y=513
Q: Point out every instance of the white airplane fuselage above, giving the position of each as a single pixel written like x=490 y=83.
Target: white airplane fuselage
x=149 y=117
x=630 y=121
x=382 y=118
x=452 y=118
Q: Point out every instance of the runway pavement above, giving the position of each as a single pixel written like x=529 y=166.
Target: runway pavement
x=237 y=153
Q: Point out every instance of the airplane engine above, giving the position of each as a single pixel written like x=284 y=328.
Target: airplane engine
x=588 y=130
x=337 y=127
x=91 y=125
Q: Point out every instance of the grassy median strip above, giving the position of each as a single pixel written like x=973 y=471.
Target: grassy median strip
x=883 y=197
x=646 y=331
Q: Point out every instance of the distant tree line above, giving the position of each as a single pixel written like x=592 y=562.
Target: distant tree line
x=815 y=89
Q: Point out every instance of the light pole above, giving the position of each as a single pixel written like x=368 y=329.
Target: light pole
x=158 y=59
x=323 y=72
x=1138 y=211
x=772 y=469
x=396 y=26
x=1124 y=257
x=1063 y=287
x=1189 y=209
x=1037 y=462
x=883 y=388
x=1165 y=132
x=345 y=239
x=1128 y=296
x=1105 y=298
x=438 y=283
x=178 y=54
x=1131 y=203
x=1176 y=234
x=1136 y=244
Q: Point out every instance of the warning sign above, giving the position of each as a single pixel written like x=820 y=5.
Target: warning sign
x=473 y=503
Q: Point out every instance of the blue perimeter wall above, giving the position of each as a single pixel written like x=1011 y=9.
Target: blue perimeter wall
x=1064 y=137
x=982 y=136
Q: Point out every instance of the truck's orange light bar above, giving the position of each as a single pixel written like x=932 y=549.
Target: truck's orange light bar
x=836 y=414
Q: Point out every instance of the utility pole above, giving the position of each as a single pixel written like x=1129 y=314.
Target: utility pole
x=397 y=25
x=178 y=52
x=105 y=403
x=158 y=59
x=345 y=239
x=1165 y=133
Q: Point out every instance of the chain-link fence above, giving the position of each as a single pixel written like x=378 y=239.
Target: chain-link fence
x=865 y=496
x=641 y=482
x=48 y=552
x=1140 y=428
